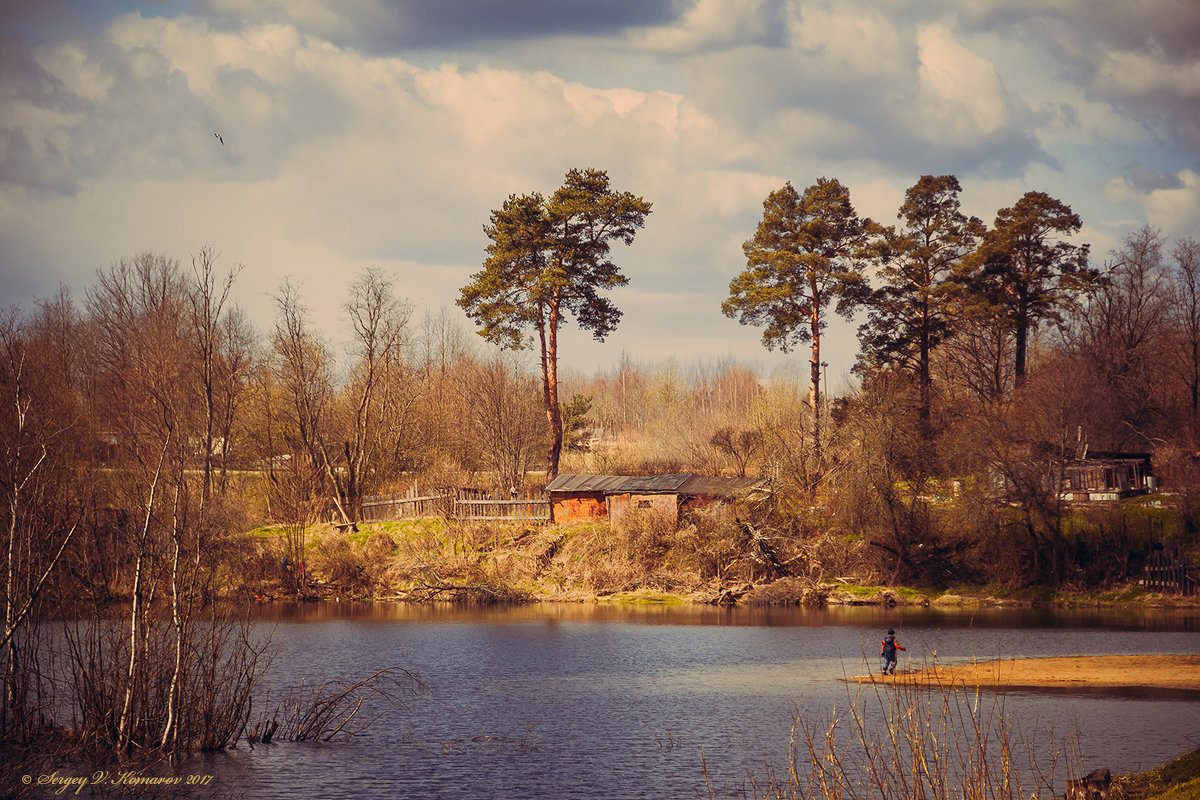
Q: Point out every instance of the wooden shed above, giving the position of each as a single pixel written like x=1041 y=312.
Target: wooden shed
x=656 y=496
x=615 y=497
x=576 y=497
x=1107 y=476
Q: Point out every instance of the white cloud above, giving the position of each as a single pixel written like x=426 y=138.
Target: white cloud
x=1142 y=59
x=1132 y=74
x=1173 y=209
x=320 y=16
x=854 y=41
x=341 y=153
x=960 y=92
x=399 y=166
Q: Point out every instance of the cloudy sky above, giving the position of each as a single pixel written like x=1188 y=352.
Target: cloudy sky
x=381 y=133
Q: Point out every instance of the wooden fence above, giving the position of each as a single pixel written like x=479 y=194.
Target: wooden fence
x=533 y=509
x=461 y=504
x=1167 y=571
x=376 y=508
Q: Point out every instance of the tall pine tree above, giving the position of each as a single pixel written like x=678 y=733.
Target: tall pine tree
x=910 y=313
x=809 y=250
x=549 y=259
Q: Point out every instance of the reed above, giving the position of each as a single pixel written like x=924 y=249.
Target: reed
x=902 y=741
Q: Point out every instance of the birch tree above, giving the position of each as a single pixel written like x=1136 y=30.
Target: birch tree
x=138 y=313
x=379 y=321
x=35 y=534
x=207 y=296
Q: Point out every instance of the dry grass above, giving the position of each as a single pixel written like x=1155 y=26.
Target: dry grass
x=910 y=742
x=714 y=548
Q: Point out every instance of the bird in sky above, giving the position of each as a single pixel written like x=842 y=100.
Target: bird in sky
x=219 y=139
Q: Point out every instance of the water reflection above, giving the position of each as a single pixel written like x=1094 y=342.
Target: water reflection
x=1142 y=619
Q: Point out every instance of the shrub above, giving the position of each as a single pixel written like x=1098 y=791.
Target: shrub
x=344 y=566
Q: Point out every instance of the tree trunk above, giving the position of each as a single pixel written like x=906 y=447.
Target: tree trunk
x=925 y=380
x=10 y=661
x=1021 y=336
x=170 y=728
x=126 y=724
x=1195 y=382
x=11 y=699
x=814 y=387
x=550 y=391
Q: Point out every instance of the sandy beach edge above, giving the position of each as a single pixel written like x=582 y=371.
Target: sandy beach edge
x=1175 y=672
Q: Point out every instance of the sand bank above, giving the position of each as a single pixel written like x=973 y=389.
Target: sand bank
x=1175 y=672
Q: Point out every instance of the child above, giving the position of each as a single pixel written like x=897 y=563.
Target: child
x=888 y=648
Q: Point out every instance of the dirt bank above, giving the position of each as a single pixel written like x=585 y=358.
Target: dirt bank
x=1177 y=672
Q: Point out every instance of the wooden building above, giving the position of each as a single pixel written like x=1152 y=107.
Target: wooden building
x=615 y=497
x=1107 y=476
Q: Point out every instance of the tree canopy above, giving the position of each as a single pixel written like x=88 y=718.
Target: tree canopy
x=1027 y=270
x=548 y=259
x=809 y=249
x=910 y=313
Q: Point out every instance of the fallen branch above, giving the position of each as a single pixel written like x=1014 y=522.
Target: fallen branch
x=432 y=588
x=330 y=708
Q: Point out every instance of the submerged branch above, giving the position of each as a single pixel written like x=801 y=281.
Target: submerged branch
x=432 y=588
x=332 y=708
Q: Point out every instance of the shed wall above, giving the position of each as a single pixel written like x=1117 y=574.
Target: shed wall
x=568 y=506
x=623 y=507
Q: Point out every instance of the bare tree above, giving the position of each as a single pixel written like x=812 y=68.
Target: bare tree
x=739 y=445
x=207 y=298
x=505 y=418
x=379 y=320
x=434 y=439
x=1120 y=331
x=33 y=544
x=140 y=317
x=886 y=480
x=976 y=362
x=1186 y=256
x=235 y=366
x=303 y=364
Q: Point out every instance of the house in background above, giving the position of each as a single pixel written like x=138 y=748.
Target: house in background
x=1097 y=476
x=616 y=497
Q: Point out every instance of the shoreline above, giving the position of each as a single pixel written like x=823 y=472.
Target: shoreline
x=744 y=596
x=1176 y=673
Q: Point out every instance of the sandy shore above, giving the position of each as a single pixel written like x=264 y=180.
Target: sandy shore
x=1083 y=672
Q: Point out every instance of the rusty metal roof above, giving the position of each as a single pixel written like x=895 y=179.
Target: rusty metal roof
x=686 y=484
x=653 y=484
x=707 y=486
x=609 y=484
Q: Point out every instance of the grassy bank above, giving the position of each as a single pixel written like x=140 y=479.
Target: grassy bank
x=1175 y=780
x=711 y=560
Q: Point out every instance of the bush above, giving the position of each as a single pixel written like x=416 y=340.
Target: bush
x=344 y=566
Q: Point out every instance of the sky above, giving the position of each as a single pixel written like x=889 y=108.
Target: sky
x=381 y=133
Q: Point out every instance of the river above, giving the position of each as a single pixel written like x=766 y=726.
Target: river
x=637 y=701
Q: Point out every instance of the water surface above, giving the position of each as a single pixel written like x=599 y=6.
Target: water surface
x=584 y=701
